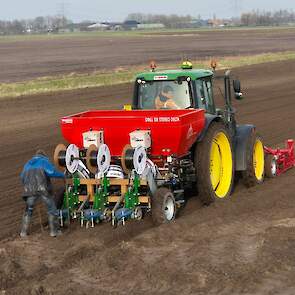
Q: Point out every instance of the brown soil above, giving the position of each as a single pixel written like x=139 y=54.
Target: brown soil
x=242 y=245
x=22 y=60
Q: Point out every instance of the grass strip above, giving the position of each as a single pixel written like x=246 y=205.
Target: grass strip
x=138 y=33
x=124 y=75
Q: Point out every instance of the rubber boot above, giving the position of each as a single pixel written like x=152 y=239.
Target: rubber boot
x=25 y=226
x=54 y=226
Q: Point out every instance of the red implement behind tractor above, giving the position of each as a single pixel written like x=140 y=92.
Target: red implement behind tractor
x=278 y=161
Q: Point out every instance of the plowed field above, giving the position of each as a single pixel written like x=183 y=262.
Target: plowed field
x=242 y=245
x=33 y=58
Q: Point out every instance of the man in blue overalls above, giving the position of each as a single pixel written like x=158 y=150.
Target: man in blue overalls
x=35 y=177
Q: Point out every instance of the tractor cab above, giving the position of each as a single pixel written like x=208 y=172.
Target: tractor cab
x=187 y=88
x=175 y=89
x=182 y=89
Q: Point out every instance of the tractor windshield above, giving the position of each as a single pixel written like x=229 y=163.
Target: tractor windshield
x=164 y=95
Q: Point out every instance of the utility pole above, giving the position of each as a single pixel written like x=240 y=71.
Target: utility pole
x=237 y=6
x=62 y=12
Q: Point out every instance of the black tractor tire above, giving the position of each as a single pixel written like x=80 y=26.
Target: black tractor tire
x=162 y=201
x=270 y=170
x=249 y=177
x=202 y=161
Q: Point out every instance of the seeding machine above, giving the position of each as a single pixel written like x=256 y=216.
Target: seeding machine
x=120 y=165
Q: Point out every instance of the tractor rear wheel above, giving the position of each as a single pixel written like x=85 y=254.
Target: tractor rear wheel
x=254 y=174
x=270 y=166
x=214 y=164
x=163 y=206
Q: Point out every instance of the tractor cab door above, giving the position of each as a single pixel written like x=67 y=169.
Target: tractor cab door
x=204 y=95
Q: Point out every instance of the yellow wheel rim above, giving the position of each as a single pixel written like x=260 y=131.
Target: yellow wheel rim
x=221 y=165
x=258 y=159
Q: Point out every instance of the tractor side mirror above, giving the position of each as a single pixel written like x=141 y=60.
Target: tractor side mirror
x=237 y=89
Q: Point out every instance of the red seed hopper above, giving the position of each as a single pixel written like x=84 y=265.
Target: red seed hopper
x=171 y=131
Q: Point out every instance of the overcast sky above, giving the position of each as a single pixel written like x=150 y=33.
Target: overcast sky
x=100 y=10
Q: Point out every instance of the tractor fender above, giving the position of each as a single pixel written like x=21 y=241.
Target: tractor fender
x=243 y=132
x=209 y=118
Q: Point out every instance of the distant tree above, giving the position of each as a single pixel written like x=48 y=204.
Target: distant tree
x=266 y=18
x=139 y=17
x=39 y=23
x=16 y=27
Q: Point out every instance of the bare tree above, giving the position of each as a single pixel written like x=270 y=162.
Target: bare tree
x=266 y=18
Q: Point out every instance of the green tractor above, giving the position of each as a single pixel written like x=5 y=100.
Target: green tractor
x=224 y=149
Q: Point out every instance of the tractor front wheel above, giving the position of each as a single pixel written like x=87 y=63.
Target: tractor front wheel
x=163 y=206
x=214 y=164
x=254 y=173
